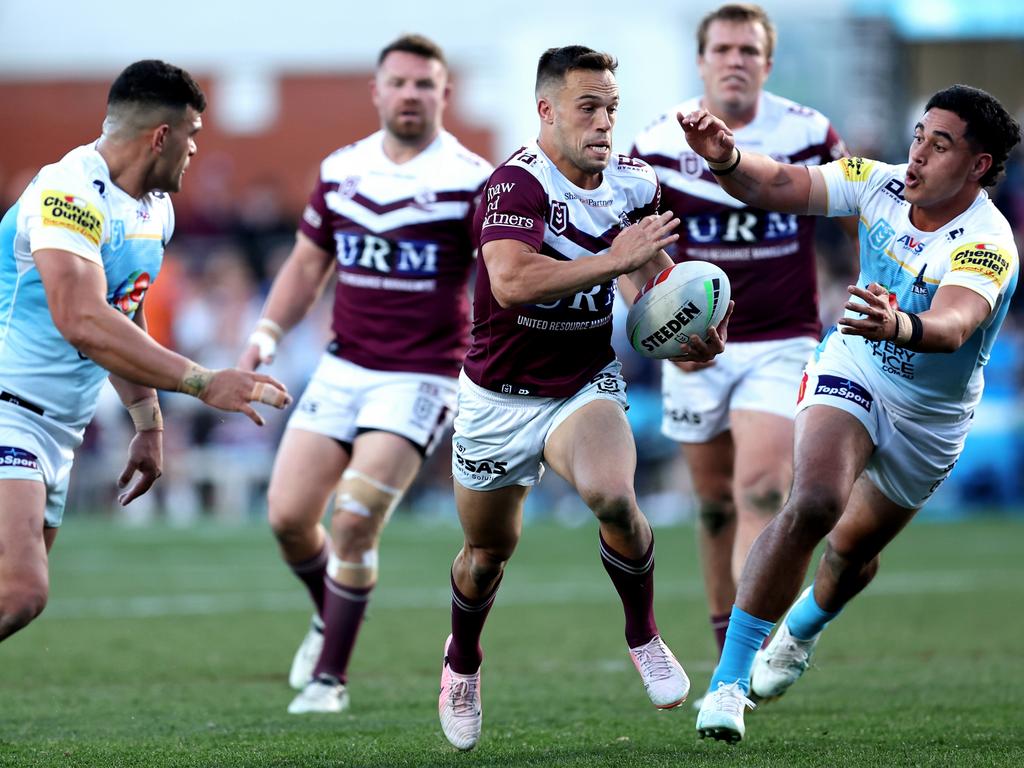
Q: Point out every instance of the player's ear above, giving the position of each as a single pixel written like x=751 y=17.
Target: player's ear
x=158 y=137
x=545 y=109
x=982 y=164
x=374 y=92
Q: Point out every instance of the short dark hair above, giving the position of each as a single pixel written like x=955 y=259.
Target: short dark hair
x=556 y=62
x=156 y=83
x=990 y=128
x=737 y=13
x=417 y=45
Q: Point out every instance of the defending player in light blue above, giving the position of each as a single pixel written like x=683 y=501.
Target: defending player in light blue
x=78 y=251
x=886 y=401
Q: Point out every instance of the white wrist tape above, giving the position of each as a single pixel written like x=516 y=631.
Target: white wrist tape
x=265 y=343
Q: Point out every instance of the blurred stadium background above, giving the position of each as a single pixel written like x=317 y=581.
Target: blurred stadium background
x=287 y=83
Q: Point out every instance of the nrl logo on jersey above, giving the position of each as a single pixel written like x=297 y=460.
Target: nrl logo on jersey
x=116 y=234
x=880 y=235
x=558 y=220
x=691 y=165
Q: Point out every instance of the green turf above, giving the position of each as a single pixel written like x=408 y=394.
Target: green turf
x=170 y=647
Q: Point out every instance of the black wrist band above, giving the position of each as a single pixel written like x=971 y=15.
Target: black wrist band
x=731 y=168
x=916 y=330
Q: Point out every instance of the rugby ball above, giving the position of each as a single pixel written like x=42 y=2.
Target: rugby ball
x=683 y=300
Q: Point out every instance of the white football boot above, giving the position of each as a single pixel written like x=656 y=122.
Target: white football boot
x=323 y=694
x=721 y=714
x=780 y=665
x=664 y=679
x=459 y=705
x=307 y=655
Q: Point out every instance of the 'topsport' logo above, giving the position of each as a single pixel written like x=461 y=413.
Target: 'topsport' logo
x=845 y=389
x=17 y=457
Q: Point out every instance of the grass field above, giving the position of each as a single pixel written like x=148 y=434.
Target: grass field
x=170 y=648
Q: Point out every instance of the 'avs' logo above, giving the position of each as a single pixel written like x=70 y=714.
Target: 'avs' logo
x=559 y=218
x=880 y=235
x=911 y=244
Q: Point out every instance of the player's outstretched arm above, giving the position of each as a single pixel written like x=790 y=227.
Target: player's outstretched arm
x=296 y=288
x=756 y=180
x=521 y=275
x=953 y=317
x=76 y=294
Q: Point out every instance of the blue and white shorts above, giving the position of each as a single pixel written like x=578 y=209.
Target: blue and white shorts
x=34 y=448
x=913 y=454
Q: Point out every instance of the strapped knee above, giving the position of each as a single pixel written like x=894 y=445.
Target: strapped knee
x=362 y=495
x=362 y=573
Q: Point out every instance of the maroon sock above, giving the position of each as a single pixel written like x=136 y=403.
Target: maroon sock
x=719 y=625
x=343 y=615
x=634 y=581
x=468 y=616
x=313 y=572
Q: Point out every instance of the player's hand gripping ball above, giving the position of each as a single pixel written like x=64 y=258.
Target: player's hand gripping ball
x=683 y=300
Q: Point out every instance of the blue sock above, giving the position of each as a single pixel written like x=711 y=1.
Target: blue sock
x=806 y=619
x=743 y=639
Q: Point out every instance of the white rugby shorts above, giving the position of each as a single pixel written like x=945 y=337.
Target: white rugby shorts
x=748 y=376
x=343 y=398
x=913 y=453
x=34 y=448
x=499 y=439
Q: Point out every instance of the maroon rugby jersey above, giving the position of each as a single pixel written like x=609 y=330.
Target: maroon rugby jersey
x=551 y=349
x=403 y=242
x=768 y=256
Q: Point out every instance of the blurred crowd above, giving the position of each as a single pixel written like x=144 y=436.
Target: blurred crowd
x=209 y=294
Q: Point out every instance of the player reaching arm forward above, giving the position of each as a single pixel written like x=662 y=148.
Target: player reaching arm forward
x=886 y=403
x=560 y=220
x=733 y=418
x=77 y=252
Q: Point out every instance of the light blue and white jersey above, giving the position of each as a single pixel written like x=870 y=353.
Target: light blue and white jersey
x=975 y=250
x=71 y=205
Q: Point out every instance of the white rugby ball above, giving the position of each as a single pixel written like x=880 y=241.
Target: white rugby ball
x=683 y=300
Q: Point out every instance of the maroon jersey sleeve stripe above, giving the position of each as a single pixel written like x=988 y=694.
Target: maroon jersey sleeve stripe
x=660 y=161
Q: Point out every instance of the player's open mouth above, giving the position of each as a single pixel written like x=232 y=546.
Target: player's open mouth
x=601 y=149
x=912 y=179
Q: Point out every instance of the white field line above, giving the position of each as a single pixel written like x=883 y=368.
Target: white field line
x=596 y=591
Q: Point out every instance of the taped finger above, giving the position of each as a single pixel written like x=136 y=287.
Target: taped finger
x=266 y=393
